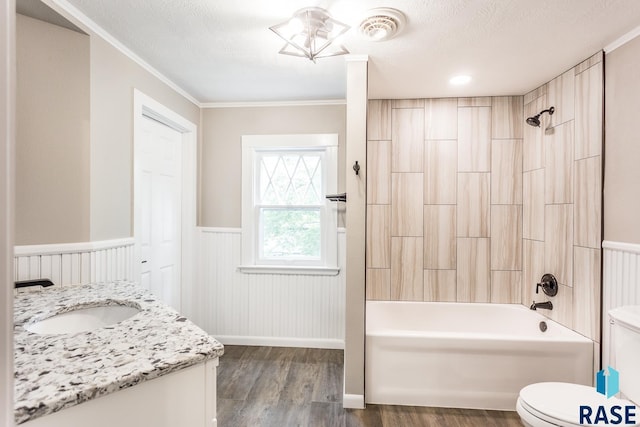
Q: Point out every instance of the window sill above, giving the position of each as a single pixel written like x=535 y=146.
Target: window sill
x=280 y=269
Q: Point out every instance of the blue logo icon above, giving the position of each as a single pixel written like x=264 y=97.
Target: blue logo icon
x=608 y=382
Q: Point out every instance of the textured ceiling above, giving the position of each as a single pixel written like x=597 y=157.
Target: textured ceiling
x=223 y=51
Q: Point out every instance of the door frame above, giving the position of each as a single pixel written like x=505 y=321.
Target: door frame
x=145 y=106
x=7 y=193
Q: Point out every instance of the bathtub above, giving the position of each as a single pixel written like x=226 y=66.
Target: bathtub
x=461 y=355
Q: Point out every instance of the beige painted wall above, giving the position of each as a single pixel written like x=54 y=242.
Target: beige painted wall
x=113 y=78
x=7 y=145
x=622 y=144
x=52 y=169
x=220 y=153
x=93 y=181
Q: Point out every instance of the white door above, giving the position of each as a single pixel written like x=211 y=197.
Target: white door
x=158 y=209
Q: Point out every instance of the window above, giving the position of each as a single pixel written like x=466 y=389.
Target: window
x=288 y=226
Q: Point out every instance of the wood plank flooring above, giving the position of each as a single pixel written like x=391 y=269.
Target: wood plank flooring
x=283 y=387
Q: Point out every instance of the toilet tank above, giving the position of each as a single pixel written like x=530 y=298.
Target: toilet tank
x=626 y=349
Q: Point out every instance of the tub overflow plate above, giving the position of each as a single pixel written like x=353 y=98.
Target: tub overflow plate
x=543 y=326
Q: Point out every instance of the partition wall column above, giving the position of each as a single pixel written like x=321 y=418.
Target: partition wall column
x=356 y=150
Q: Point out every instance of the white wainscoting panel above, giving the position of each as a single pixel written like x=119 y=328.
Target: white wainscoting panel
x=621 y=284
x=75 y=263
x=266 y=309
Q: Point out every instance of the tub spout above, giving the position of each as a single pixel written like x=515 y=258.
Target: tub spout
x=546 y=305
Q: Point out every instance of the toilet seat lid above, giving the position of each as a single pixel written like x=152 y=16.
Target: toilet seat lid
x=560 y=402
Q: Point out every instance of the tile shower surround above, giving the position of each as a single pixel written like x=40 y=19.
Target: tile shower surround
x=466 y=203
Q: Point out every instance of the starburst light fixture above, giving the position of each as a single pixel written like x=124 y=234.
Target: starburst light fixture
x=311 y=33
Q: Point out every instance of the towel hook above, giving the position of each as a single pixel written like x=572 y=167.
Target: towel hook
x=356 y=167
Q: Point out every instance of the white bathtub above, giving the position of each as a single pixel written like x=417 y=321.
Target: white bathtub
x=462 y=355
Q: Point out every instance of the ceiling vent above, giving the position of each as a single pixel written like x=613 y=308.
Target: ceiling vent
x=382 y=24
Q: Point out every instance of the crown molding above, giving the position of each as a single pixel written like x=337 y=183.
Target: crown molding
x=626 y=38
x=63 y=6
x=308 y=103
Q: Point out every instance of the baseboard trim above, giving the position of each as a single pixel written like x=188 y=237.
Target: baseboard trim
x=281 y=341
x=353 y=401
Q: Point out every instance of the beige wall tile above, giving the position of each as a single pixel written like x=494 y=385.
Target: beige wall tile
x=558 y=172
x=506 y=287
x=407 y=140
x=588 y=203
x=473 y=205
x=474 y=139
x=532 y=269
x=473 y=279
x=482 y=101
x=440 y=175
x=406 y=204
x=533 y=148
x=595 y=59
x=440 y=236
x=506 y=117
x=560 y=95
x=379 y=120
x=440 y=285
x=536 y=93
x=378 y=236
x=407 y=103
x=533 y=205
x=406 y=269
x=586 y=292
x=378 y=284
x=558 y=242
x=441 y=118
x=506 y=171
x=506 y=237
x=589 y=105
x=562 y=306
x=379 y=172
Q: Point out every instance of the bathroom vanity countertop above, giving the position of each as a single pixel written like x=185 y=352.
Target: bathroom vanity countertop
x=53 y=372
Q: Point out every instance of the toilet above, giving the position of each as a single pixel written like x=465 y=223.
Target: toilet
x=553 y=404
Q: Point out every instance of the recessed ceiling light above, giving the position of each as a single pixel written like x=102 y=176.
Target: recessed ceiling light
x=460 y=80
x=382 y=23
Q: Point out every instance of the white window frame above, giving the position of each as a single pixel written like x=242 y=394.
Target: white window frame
x=252 y=147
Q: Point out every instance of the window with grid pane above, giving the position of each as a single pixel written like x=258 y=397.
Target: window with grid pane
x=287 y=222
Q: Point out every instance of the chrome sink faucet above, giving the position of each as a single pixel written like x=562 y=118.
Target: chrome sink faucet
x=546 y=305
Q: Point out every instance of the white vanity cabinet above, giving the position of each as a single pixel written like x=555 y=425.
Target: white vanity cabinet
x=185 y=398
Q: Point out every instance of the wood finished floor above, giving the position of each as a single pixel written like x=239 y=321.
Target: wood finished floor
x=283 y=387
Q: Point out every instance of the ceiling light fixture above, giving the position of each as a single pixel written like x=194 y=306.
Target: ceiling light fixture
x=382 y=23
x=460 y=80
x=311 y=33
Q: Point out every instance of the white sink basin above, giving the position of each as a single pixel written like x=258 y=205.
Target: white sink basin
x=82 y=319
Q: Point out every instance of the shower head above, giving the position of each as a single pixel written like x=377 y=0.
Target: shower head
x=535 y=120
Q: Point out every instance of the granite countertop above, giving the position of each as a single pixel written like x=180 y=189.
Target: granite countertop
x=53 y=372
